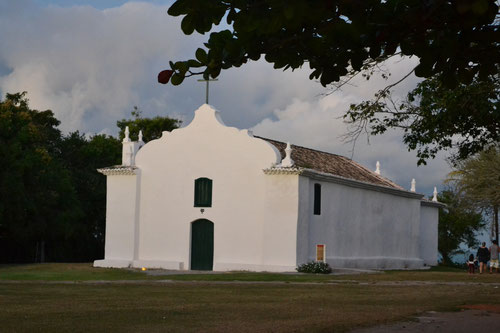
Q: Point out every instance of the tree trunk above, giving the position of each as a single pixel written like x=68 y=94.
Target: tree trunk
x=36 y=252
x=495 y=220
x=42 y=251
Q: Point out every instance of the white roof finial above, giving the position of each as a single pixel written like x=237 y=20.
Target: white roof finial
x=413 y=183
x=377 y=170
x=435 y=197
x=140 y=136
x=287 y=161
x=127 y=135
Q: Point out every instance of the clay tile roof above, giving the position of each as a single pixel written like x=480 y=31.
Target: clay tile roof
x=333 y=164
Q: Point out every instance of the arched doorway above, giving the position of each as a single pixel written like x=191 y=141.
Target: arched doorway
x=202 y=245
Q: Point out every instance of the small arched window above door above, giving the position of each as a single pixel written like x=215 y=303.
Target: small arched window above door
x=203 y=192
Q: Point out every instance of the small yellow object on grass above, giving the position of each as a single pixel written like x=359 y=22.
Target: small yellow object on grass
x=143 y=269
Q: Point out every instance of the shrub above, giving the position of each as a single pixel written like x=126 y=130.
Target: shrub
x=315 y=267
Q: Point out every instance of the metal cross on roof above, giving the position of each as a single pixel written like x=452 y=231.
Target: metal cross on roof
x=207 y=81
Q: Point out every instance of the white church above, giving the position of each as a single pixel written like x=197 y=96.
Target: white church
x=213 y=197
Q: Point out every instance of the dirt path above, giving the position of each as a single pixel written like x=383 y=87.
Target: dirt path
x=475 y=318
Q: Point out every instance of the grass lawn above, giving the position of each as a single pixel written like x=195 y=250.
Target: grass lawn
x=85 y=272
x=66 y=272
x=354 y=301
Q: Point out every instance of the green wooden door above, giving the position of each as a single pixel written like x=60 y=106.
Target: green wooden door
x=202 y=245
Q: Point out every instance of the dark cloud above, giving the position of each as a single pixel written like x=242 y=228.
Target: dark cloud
x=92 y=66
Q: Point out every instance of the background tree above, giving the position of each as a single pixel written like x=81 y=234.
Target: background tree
x=37 y=199
x=458 y=224
x=435 y=117
x=478 y=180
x=82 y=157
x=52 y=199
x=152 y=128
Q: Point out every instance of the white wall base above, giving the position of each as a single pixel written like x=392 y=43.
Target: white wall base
x=159 y=264
x=253 y=268
x=179 y=265
x=429 y=262
x=334 y=262
x=375 y=262
x=114 y=263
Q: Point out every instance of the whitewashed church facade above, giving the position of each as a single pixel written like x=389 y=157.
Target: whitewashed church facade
x=213 y=197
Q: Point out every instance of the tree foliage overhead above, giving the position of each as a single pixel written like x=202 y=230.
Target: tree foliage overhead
x=458 y=224
x=455 y=39
x=435 y=117
x=456 y=43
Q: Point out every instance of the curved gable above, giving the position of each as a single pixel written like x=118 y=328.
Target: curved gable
x=207 y=138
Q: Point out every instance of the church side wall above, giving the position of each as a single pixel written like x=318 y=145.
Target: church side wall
x=304 y=220
x=362 y=228
x=429 y=218
x=121 y=200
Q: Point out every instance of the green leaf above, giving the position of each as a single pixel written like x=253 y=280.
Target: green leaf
x=215 y=72
x=329 y=75
x=176 y=79
x=231 y=16
x=202 y=56
x=187 y=25
x=375 y=51
x=254 y=56
x=193 y=63
x=407 y=48
x=315 y=74
x=178 y=8
x=424 y=69
x=181 y=66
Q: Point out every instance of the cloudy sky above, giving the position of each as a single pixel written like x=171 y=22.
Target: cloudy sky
x=92 y=61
